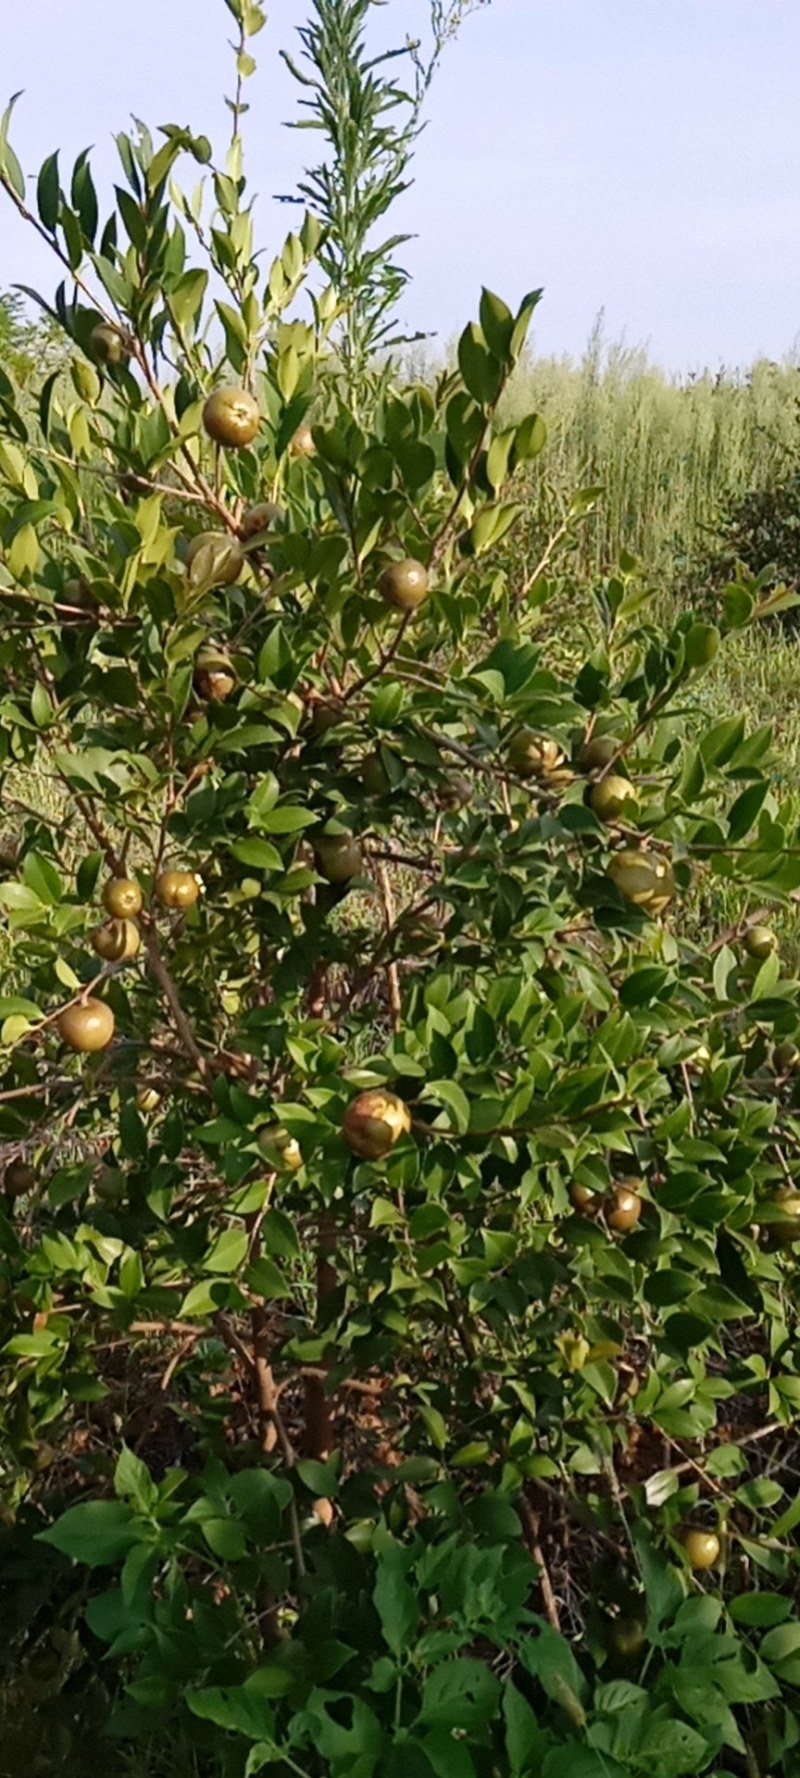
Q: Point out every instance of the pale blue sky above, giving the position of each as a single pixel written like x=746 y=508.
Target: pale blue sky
x=641 y=156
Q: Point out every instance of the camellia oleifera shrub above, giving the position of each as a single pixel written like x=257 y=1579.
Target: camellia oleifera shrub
x=397 y=1265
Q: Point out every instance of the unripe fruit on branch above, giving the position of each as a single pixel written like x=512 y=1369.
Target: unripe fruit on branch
x=214 y=678
x=702 y=645
x=373 y=1122
x=214 y=556
x=785 y=1057
x=374 y=776
x=326 y=714
x=116 y=941
x=338 y=857
x=404 y=585
x=613 y=796
x=786 y=1227
x=598 y=752
x=109 y=344
x=643 y=878
x=147 y=1099
x=279 y=1148
x=86 y=1026
x=302 y=444
x=532 y=755
x=760 y=942
x=122 y=898
x=176 y=889
x=455 y=792
x=701 y=1549
x=262 y=517
x=231 y=417
x=19 y=1179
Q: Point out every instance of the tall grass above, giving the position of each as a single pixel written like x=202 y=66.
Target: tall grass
x=669 y=453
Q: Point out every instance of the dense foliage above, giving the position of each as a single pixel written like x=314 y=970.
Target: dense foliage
x=398 y=1293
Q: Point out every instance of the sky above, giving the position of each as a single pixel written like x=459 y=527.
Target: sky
x=636 y=157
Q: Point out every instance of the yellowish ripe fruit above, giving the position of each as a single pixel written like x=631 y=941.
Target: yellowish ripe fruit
x=623 y=1209
x=532 y=755
x=760 y=942
x=302 y=445
x=279 y=1148
x=116 y=941
x=108 y=344
x=586 y=1202
x=87 y=1026
x=701 y=1549
x=598 y=752
x=613 y=796
x=404 y=585
x=214 y=678
x=122 y=898
x=231 y=417
x=373 y=1122
x=643 y=878
x=147 y=1100
x=19 y=1179
x=338 y=857
x=263 y=517
x=176 y=889
x=214 y=556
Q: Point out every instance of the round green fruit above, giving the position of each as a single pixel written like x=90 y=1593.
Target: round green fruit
x=626 y=1637
x=374 y=776
x=263 y=517
x=87 y=1026
x=404 y=585
x=109 y=1186
x=327 y=713
x=786 y=1057
x=643 y=878
x=533 y=756
x=218 y=556
x=19 y=1179
x=147 y=1100
x=338 y=857
x=122 y=898
x=760 y=942
x=231 y=417
x=702 y=645
x=623 y=1208
x=373 y=1122
x=701 y=1548
x=613 y=796
x=279 y=1148
x=176 y=889
x=598 y=752
x=117 y=941
x=108 y=344
x=214 y=678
